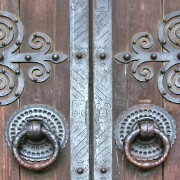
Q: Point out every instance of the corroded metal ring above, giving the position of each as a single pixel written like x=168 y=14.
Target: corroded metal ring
x=148 y=163
x=36 y=166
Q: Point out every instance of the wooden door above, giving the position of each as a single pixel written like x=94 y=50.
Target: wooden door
x=90 y=88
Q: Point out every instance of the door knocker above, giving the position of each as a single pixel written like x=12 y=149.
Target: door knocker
x=145 y=133
x=36 y=134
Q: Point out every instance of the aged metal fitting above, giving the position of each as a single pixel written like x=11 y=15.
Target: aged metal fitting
x=1 y=57
x=80 y=170
x=102 y=56
x=28 y=57
x=103 y=170
x=153 y=56
x=79 y=56
x=126 y=57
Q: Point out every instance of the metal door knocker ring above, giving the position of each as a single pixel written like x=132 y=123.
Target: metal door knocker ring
x=36 y=134
x=146 y=130
x=145 y=133
x=35 y=130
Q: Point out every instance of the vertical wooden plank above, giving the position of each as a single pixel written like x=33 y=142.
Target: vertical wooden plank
x=128 y=19
x=46 y=16
x=9 y=169
x=171 y=166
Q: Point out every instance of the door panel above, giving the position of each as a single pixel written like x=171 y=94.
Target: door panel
x=91 y=91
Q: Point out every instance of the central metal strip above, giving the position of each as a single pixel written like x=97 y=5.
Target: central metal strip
x=79 y=83
x=102 y=56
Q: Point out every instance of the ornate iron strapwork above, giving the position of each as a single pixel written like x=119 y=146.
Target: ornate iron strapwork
x=11 y=77
x=168 y=79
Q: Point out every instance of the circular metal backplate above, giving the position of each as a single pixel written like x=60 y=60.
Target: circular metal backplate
x=37 y=150
x=128 y=121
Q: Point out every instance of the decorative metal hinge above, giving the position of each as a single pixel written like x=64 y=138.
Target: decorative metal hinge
x=169 y=75
x=11 y=77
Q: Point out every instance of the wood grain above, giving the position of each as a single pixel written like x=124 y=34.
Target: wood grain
x=171 y=166
x=9 y=169
x=44 y=16
x=128 y=19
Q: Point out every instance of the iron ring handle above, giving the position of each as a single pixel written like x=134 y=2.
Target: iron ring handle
x=149 y=163
x=36 y=166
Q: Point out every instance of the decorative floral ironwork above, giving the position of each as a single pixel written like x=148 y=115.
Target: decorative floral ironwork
x=168 y=79
x=11 y=77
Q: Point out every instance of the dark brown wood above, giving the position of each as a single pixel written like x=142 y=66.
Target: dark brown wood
x=130 y=18
x=9 y=169
x=50 y=17
x=171 y=166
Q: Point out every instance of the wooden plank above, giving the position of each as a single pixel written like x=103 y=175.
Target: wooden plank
x=128 y=19
x=43 y=16
x=171 y=166
x=9 y=169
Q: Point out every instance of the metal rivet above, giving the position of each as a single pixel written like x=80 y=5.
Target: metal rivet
x=102 y=56
x=163 y=42
x=4 y=44
x=35 y=80
x=48 y=71
x=153 y=56
x=48 y=42
x=16 y=94
x=170 y=27
x=79 y=56
x=169 y=85
x=164 y=93
x=178 y=56
x=146 y=79
x=55 y=57
x=1 y=57
x=176 y=70
x=28 y=57
x=164 y=20
x=133 y=71
x=18 y=42
x=11 y=87
x=10 y=27
x=80 y=170
x=35 y=35
x=16 y=20
x=126 y=57
x=162 y=71
x=3 y=71
x=17 y=72
x=134 y=42
x=177 y=43
x=103 y=170
x=146 y=35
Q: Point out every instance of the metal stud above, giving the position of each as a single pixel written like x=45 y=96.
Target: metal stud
x=79 y=56
x=163 y=42
x=146 y=79
x=164 y=93
x=16 y=94
x=126 y=57
x=146 y=35
x=80 y=170
x=3 y=44
x=102 y=56
x=178 y=56
x=153 y=56
x=176 y=70
x=17 y=72
x=169 y=85
x=28 y=57
x=162 y=71
x=35 y=80
x=3 y=71
x=18 y=42
x=1 y=57
x=103 y=170
x=16 y=20
x=55 y=57
x=35 y=35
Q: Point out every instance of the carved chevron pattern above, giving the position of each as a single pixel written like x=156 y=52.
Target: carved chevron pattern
x=102 y=90
x=79 y=77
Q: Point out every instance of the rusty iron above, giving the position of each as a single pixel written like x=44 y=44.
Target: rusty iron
x=36 y=134
x=146 y=130
x=141 y=121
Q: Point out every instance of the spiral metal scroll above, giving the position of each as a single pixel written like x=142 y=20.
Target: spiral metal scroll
x=168 y=80
x=11 y=77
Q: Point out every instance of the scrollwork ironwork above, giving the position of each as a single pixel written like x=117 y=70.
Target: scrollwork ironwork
x=11 y=77
x=168 y=80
